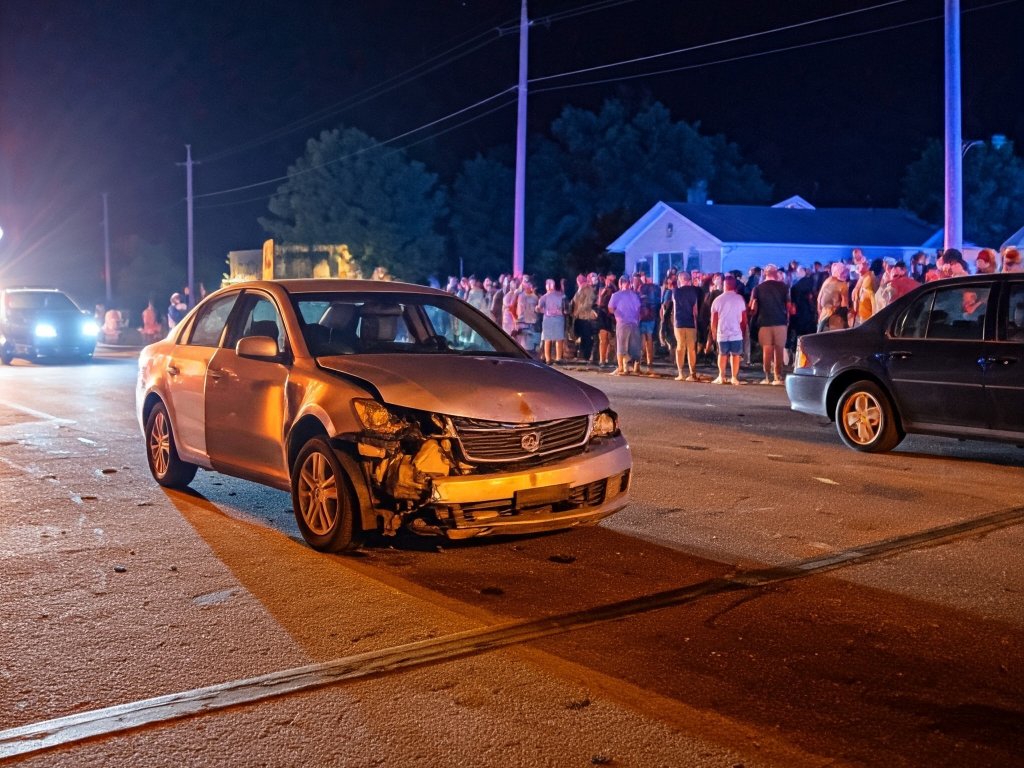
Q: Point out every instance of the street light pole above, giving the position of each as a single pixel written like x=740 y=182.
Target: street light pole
x=519 y=227
x=953 y=232
x=106 y=252
x=188 y=202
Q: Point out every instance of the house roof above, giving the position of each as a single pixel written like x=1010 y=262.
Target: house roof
x=751 y=224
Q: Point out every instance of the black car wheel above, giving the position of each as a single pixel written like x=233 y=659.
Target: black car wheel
x=167 y=468
x=6 y=354
x=866 y=420
x=323 y=499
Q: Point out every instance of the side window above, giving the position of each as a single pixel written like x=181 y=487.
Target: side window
x=259 y=318
x=959 y=313
x=209 y=324
x=1013 y=317
x=913 y=323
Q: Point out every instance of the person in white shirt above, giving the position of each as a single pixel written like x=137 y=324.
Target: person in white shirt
x=728 y=324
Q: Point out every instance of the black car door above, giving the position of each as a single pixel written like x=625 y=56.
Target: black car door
x=935 y=355
x=1004 y=361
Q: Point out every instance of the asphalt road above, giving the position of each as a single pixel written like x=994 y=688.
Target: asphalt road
x=770 y=598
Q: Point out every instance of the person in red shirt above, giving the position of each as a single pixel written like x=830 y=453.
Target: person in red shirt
x=901 y=284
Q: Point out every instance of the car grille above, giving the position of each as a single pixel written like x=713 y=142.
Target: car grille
x=492 y=441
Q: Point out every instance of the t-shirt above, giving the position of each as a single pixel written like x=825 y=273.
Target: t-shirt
x=625 y=305
x=684 y=299
x=729 y=307
x=771 y=297
x=550 y=304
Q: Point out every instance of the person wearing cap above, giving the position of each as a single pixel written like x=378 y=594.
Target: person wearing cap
x=769 y=303
x=985 y=263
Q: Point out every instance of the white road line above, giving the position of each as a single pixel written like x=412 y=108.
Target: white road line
x=40 y=415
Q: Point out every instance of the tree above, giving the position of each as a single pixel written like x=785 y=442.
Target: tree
x=349 y=189
x=481 y=221
x=993 y=184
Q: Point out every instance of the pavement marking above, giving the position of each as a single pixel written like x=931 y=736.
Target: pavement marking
x=38 y=414
x=37 y=737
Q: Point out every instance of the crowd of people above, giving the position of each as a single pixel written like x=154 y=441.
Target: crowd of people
x=623 y=322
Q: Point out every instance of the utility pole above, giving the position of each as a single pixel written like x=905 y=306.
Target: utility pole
x=519 y=228
x=106 y=251
x=953 y=232
x=188 y=203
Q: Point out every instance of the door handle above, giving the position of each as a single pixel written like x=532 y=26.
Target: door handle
x=173 y=370
x=214 y=373
x=900 y=355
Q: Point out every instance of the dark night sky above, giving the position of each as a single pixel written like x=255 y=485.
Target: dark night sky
x=102 y=96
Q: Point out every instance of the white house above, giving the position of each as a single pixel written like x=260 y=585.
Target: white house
x=719 y=238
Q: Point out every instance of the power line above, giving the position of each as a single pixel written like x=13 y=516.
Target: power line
x=713 y=43
x=372 y=92
x=434 y=135
x=765 y=53
x=359 y=152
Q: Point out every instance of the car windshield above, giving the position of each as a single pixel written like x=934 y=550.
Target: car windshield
x=403 y=323
x=40 y=300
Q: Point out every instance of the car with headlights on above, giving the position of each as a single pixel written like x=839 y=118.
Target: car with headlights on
x=378 y=405
x=947 y=359
x=44 y=322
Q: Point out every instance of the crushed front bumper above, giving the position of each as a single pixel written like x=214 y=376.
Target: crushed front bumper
x=577 y=491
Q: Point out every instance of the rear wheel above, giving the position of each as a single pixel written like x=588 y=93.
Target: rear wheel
x=6 y=354
x=162 y=453
x=323 y=499
x=866 y=420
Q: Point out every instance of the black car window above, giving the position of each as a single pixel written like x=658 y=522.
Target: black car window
x=259 y=318
x=913 y=323
x=958 y=313
x=209 y=324
x=1013 y=312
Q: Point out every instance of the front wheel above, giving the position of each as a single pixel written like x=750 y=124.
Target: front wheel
x=6 y=354
x=162 y=453
x=866 y=420
x=323 y=499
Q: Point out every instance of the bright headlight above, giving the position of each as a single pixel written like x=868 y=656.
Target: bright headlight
x=45 y=331
x=89 y=328
x=377 y=419
x=606 y=424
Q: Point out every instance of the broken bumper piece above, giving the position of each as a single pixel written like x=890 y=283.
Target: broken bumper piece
x=578 y=491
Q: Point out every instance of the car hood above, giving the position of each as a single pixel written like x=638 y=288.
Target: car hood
x=492 y=388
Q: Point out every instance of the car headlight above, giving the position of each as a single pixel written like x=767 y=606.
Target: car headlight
x=89 y=328
x=606 y=424
x=377 y=419
x=45 y=331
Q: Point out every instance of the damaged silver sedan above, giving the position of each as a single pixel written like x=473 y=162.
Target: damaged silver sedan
x=378 y=405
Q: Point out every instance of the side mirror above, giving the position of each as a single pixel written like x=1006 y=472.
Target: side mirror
x=258 y=348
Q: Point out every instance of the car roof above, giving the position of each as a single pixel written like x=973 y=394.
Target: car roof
x=332 y=285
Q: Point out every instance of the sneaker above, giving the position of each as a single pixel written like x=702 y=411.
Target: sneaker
x=718 y=380
x=778 y=383
x=765 y=380
x=680 y=377
x=691 y=377
x=735 y=382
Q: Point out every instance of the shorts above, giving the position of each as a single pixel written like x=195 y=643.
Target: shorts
x=686 y=338
x=771 y=335
x=553 y=328
x=647 y=327
x=627 y=341
x=734 y=347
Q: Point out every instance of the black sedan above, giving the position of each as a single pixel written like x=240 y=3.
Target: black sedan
x=947 y=359
x=44 y=322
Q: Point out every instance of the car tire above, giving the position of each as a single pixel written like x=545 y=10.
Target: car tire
x=323 y=499
x=866 y=420
x=162 y=453
x=6 y=355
